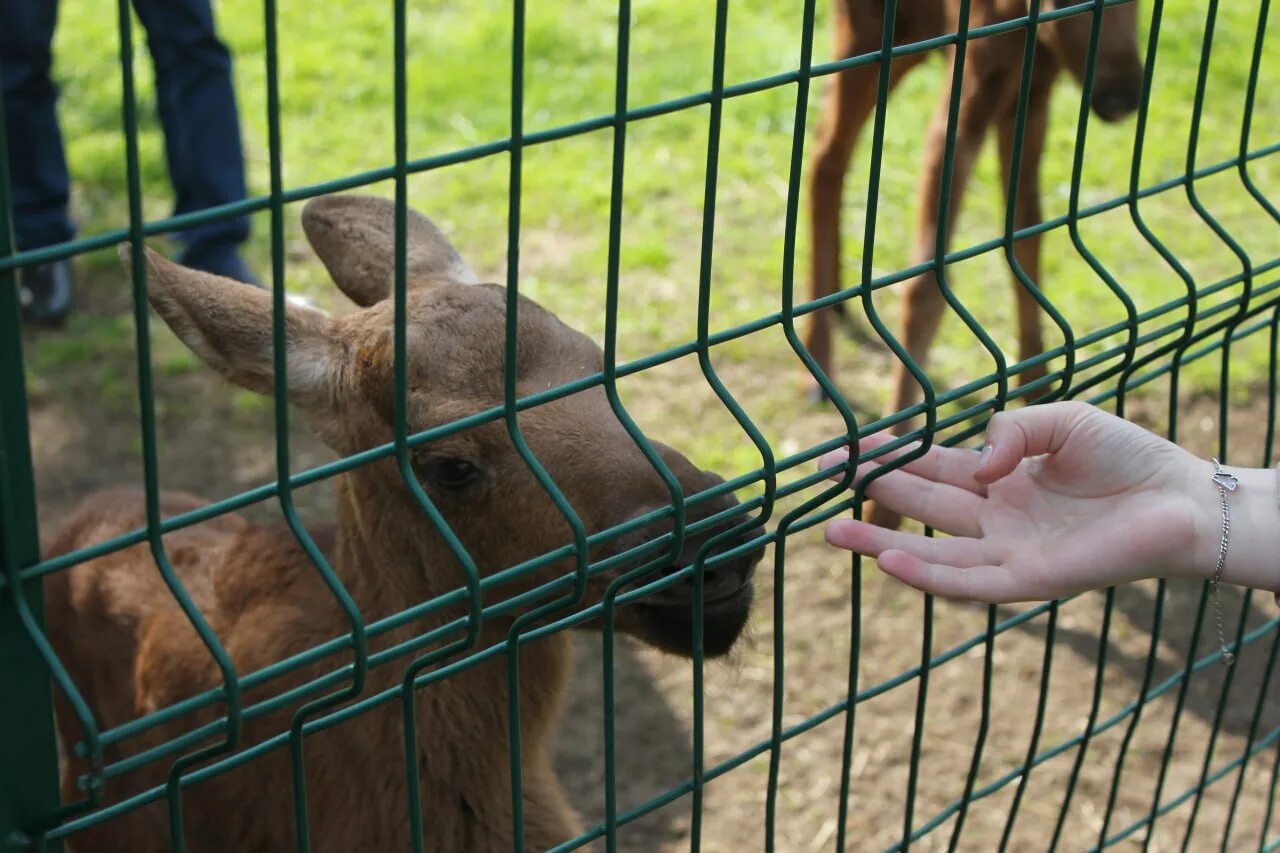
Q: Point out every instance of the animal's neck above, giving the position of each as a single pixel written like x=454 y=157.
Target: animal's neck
x=387 y=568
x=384 y=568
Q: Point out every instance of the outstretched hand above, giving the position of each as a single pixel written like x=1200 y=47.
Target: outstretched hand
x=1063 y=498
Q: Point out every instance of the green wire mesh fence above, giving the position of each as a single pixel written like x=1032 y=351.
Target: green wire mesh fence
x=1102 y=363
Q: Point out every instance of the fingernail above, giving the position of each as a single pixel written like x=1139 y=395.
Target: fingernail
x=986 y=455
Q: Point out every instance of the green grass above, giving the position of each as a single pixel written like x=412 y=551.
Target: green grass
x=336 y=90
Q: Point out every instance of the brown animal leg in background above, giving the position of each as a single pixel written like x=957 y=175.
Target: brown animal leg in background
x=923 y=304
x=922 y=301
x=1027 y=212
x=850 y=97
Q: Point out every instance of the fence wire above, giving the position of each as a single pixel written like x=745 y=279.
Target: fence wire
x=1100 y=364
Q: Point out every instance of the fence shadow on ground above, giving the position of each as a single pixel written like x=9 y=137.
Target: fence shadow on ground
x=1136 y=605
x=654 y=748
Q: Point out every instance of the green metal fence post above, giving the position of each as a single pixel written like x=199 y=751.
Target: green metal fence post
x=29 y=770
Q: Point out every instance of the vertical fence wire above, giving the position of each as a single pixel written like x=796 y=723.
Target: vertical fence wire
x=941 y=277
x=917 y=728
x=280 y=399
x=851 y=685
x=1250 y=92
x=672 y=554
x=1073 y=221
x=1073 y=227
x=1273 y=387
x=885 y=62
x=946 y=214
x=1179 y=345
x=1224 y=692
x=1247 y=752
x=510 y=394
x=1223 y=413
x=146 y=401
x=845 y=475
x=1246 y=121
x=1037 y=726
x=958 y=60
x=984 y=724
x=1178 y=348
x=1016 y=149
x=400 y=427
x=768 y=464
x=1224 y=384
x=1099 y=676
x=1011 y=192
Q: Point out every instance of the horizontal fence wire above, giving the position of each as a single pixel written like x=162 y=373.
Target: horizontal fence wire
x=1100 y=365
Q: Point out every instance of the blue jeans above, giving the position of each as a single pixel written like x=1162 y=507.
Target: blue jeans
x=197 y=111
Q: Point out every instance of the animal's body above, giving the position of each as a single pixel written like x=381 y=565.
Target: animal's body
x=131 y=650
x=988 y=103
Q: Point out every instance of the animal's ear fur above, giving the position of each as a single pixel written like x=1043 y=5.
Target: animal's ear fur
x=228 y=325
x=354 y=235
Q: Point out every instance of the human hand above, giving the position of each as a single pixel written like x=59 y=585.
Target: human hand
x=1064 y=498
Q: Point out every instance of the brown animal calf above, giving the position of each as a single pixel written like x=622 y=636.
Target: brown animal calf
x=988 y=100
x=132 y=651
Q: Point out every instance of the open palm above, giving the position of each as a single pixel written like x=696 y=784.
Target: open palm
x=1064 y=498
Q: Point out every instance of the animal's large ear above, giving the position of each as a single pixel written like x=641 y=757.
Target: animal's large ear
x=228 y=324
x=354 y=235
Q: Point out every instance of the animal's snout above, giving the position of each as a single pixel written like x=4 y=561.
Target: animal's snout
x=665 y=616
x=1116 y=101
x=727 y=569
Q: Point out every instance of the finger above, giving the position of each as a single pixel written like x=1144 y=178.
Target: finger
x=951 y=465
x=871 y=541
x=840 y=455
x=831 y=459
x=990 y=584
x=1035 y=430
x=939 y=505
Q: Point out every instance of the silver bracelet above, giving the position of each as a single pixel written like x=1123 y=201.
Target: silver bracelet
x=1226 y=482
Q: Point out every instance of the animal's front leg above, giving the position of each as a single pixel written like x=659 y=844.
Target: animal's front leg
x=1027 y=212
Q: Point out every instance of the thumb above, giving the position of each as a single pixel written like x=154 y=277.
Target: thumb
x=1035 y=430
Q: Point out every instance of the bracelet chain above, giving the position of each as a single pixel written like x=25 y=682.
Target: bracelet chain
x=1225 y=482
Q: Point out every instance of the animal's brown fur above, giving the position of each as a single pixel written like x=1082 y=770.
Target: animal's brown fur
x=988 y=101
x=131 y=650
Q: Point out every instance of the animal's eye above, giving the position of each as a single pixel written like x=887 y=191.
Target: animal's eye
x=450 y=473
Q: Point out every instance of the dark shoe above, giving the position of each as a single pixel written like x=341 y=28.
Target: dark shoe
x=45 y=293
x=226 y=264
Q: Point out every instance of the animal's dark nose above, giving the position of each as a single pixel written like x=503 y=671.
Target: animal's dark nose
x=727 y=568
x=726 y=562
x=1113 y=103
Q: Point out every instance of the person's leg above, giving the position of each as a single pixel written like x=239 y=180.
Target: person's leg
x=40 y=187
x=197 y=107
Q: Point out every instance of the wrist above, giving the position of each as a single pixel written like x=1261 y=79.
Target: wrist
x=1253 y=546
x=1205 y=512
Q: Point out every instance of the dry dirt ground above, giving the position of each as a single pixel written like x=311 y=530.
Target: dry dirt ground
x=215 y=442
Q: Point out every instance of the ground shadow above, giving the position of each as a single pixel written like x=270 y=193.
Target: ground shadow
x=1205 y=696
x=652 y=741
